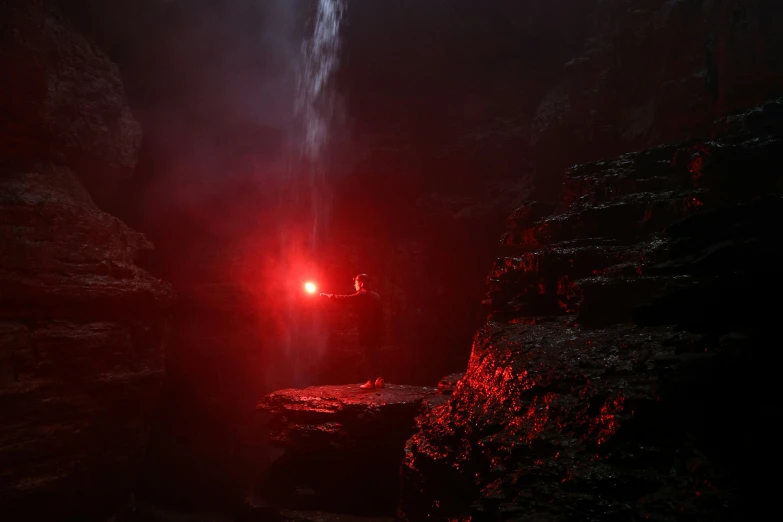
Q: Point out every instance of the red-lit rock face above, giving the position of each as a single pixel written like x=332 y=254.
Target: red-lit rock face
x=82 y=328
x=626 y=326
x=529 y=425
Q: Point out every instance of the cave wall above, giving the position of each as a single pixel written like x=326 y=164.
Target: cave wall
x=83 y=329
x=554 y=418
x=627 y=368
x=518 y=89
x=655 y=72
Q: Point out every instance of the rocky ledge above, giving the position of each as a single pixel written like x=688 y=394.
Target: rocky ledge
x=343 y=445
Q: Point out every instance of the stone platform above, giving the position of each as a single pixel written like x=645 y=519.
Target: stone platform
x=343 y=445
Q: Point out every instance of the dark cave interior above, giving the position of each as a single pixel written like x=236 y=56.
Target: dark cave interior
x=570 y=210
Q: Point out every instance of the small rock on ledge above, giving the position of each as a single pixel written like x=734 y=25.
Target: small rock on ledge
x=447 y=384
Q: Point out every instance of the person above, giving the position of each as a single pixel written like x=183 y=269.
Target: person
x=367 y=305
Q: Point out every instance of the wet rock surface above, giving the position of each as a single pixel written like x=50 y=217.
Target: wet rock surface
x=342 y=445
x=82 y=327
x=627 y=369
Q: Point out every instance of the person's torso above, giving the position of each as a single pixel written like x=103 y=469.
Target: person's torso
x=369 y=311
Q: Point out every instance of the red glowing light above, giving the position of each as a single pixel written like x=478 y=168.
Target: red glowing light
x=310 y=288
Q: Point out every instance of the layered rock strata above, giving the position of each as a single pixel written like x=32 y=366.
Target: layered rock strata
x=343 y=445
x=657 y=72
x=82 y=328
x=630 y=330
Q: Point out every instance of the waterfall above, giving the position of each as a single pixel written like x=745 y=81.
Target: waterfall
x=315 y=108
x=315 y=101
x=306 y=198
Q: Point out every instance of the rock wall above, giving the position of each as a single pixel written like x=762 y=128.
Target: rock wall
x=655 y=72
x=530 y=87
x=82 y=328
x=627 y=369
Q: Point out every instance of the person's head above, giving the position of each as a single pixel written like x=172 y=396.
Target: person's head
x=361 y=281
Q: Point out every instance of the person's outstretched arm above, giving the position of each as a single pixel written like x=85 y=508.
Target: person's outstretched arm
x=338 y=296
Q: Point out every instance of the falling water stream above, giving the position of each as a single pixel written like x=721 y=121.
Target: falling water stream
x=316 y=106
x=307 y=198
